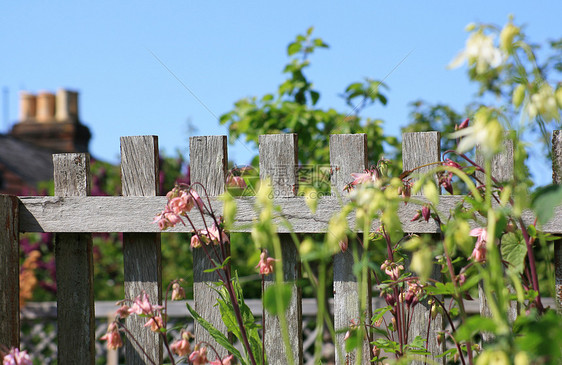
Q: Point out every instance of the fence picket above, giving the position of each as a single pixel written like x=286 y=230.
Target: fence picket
x=348 y=154
x=419 y=149
x=557 y=179
x=502 y=170
x=208 y=160
x=141 y=251
x=75 y=268
x=278 y=161
x=9 y=272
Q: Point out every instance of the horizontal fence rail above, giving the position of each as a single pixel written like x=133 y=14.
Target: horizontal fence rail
x=97 y=214
x=74 y=216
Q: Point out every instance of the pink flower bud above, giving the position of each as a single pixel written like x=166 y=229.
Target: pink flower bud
x=426 y=213
x=177 y=292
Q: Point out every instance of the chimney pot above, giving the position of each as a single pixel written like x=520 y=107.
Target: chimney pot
x=28 y=106
x=67 y=106
x=45 y=107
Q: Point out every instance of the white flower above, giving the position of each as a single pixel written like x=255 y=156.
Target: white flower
x=479 y=51
x=544 y=103
x=486 y=132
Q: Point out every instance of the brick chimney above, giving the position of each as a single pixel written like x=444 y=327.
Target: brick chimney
x=52 y=121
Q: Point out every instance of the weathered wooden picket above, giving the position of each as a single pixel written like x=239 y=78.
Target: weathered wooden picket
x=73 y=216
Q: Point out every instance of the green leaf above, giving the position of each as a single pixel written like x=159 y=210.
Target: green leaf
x=275 y=295
x=379 y=313
x=314 y=96
x=545 y=200
x=216 y=334
x=294 y=48
x=218 y=267
x=353 y=341
x=473 y=325
x=514 y=250
x=440 y=288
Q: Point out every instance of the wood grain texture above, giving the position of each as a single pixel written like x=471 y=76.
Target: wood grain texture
x=75 y=268
x=348 y=154
x=557 y=179
x=278 y=162
x=208 y=165
x=502 y=170
x=419 y=149
x=502 y=163
x=9 y=272
x=113 y=214
x=141 y=252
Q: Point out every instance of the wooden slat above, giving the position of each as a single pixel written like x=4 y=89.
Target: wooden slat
x=348 y=154
x=113 y=214
x=9 y=272
x=141 y=251
x=557 y=179
x=419 y=149
x=278 y=161
x=75 y=269
x=502 y=170
x=208 y=166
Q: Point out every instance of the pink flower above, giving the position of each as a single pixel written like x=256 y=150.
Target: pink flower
x=344 y=244
x=405 y=190
x=372 y=175
x=17 y=357
x=479 y=252
x=141 y=305
x=178 y=204
x=123 y=311
x=167 y=218
x=266 y=264
x=235 y=182
x=177 y=292
x=181 y=347
x=198 y=357
x=451 y=163
x=445 y=180
x=195 y=241
x=412 y=295
x=155 y=323
x=193 y=200
x=392 y=269
x=112 y=337
x=226 y=361
x=213 y=235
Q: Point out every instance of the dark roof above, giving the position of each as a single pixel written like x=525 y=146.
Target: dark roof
x=33 y=164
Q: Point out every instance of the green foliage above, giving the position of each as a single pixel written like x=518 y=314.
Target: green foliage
x=277 y=298
x=293 y=109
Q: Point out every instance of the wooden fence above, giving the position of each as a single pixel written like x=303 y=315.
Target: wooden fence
x=73 y=216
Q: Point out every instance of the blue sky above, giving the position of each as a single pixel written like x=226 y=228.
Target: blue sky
x=223 y=51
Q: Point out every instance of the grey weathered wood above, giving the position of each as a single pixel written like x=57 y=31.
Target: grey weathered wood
x=348 y=154
x=557 y=179
x=419 y=149
x=9 y=272
x=208 y=166
x=502 y=170
x=141 y=251
x=75 y=269
x=113 y=214
x=278 y=161
x=502 y=163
